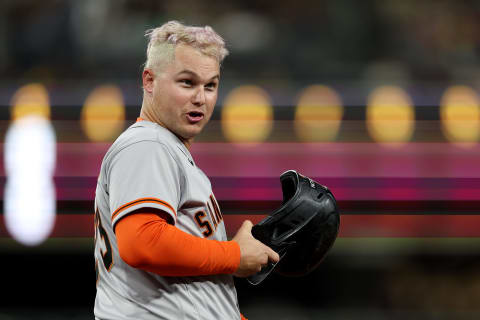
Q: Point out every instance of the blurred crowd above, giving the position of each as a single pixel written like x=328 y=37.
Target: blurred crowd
x=278 y=43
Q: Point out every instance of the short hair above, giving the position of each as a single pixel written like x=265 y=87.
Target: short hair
x=164 y=39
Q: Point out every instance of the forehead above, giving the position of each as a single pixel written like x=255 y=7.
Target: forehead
x=191 y=59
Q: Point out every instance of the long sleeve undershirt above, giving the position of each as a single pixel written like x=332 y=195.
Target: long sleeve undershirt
x=146 y=241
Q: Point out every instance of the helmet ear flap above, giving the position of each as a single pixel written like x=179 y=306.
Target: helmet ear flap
x=314 y=242
x=289 y=186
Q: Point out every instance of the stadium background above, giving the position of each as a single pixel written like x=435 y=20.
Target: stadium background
x=378 y=100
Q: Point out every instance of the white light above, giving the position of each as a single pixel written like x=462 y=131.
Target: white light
x=29 y=200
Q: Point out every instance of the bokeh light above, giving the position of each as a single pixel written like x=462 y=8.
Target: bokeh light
x=318 y=114
x=103 y=114
x=460 y=115
x=31 y=99
x=29 y=195
x=390 y=116
x=247 y=115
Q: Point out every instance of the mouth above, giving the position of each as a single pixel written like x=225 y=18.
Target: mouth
x=195 y=116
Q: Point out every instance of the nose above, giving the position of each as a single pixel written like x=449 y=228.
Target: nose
x=199 y=97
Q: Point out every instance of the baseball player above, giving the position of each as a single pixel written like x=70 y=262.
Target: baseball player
x=161 y=250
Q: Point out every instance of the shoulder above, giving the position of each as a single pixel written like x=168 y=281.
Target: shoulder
x=146 y=132
x=137 y=132
x=143 y=137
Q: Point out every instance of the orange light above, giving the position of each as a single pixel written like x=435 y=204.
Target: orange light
x=460 y=115
x=30 y=100
x=318 y=114
x=103 y=114
x=247 y=115
x=390 y=116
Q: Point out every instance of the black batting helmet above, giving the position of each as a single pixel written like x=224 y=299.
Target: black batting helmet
x=302 y=230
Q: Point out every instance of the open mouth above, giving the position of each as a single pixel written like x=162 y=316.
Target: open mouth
x=194 y=116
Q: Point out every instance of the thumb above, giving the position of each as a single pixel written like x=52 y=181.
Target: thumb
x=246 y=226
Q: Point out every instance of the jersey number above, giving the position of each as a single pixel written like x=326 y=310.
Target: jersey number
x=107 y=257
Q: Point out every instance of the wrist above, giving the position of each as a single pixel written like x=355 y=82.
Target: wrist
x=234 y=254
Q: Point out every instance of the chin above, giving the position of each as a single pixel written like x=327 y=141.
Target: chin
x=190 y=134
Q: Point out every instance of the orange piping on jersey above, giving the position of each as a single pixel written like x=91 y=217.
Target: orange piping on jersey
x=242 y=317
x=146 y=241
x=143 y=200
x=139 y=119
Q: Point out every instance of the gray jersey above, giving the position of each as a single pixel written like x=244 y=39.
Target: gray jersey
x=148 y=166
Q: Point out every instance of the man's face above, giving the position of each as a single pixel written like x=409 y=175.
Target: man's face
x=184 y=93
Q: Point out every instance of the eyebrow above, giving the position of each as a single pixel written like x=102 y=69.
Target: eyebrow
x=196 y=75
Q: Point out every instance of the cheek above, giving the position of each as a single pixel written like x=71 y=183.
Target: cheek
x=159 y=98
x=171 y=95
x=179 y=96
x=211 y=100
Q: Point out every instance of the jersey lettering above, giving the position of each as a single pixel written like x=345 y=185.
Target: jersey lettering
x=203 y=223
x=215 y=216
x=218 y=214
x=210 y=211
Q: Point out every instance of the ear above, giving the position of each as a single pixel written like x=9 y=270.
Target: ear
x=147 y=78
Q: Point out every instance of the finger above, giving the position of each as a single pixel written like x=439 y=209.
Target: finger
x=272 y=255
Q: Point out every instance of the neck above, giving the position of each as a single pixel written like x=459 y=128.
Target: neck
x=145 y=114
x=187 y=143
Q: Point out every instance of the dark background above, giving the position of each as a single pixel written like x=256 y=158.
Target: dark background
x=409 y=241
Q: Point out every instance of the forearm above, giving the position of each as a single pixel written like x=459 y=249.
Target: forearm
x=148 y=242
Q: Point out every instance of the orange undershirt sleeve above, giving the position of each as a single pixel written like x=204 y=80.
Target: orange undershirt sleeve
x=146 y=241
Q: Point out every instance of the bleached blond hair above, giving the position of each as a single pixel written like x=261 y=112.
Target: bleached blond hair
x=164 y=39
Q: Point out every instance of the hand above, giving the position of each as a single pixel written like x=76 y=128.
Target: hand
x=253 y=254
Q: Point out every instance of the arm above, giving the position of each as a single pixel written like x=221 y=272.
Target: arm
x=146 y=241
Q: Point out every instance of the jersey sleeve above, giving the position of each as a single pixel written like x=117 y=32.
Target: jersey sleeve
x=143 y=175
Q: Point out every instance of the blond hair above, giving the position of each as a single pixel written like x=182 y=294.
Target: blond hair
x=164 y=39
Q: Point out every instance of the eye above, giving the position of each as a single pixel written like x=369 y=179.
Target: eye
x=211 y=86
x=186 y=82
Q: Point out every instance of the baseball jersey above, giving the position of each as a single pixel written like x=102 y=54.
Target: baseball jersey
x=149 y=167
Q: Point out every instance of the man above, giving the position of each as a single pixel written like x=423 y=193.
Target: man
x=160 y=243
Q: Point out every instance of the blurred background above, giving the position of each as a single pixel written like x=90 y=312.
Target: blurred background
x=378 y=100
